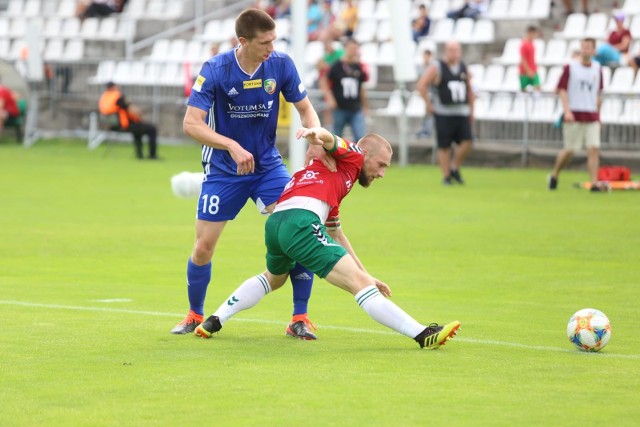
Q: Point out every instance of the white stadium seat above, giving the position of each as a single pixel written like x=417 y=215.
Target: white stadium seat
x=631 y=7
x=155 y=9
x=176 y=50
x=555 y=52
x=14 y=8
x=635 y=88
x=386 y=54
x=510 y=52
x=283 y=28
x=54 y=50
x=17 y=28
x=477 y=75
x=611 y=110
x=383 y=32
x=73 y=50
x=519 y=9
x=553 y=77
x=5 y=46
x=369 y=53
x=511 y=82
x=631 y=112
x=493 y=78
x=135 y=9
x=522 y=106
x=89 y=30
x=544 y=109
x=4 y=27
x=483 y=31
x=621 y=81
x=52 y=27
x=159 y=50
x=66 y=8
x=443 y=30
x=313 y=53
x=70 y=28
x=32 y=8
x=634 y=27
x=574 y=26
x=498 y=9
x=211 y=30
x=500 y=106
x=463 y=30
x=481 y=106
x=382 y=10
x=366 y=30
x=596 y=26
x=193 y=51
x=394 y=106
x=366 y=9
x=104 y=73
x=606 y=77
x=174 y=10
x=438 y=9
x=416 y=106
x=540 y=9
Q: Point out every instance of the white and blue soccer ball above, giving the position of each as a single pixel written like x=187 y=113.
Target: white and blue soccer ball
x=589 y=330
x=187 y=184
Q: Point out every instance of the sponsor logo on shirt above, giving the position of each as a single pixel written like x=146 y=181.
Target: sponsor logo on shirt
x=232 y=92
x=309 y=177
x=249 y=111
x=197 y=86
x=252 y=84
x=270 y=86
x=301 y=87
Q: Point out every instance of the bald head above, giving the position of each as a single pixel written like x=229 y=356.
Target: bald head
x=377 y=158
x=452 y=52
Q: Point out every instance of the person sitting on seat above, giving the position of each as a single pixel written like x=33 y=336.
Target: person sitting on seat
x=125 y=117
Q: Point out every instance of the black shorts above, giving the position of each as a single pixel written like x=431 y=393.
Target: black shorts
x=450 y=129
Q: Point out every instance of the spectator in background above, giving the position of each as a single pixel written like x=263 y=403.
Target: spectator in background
x=470 y=9
x=528 y=68
x=349 y=18
x=9 y=110
x=282 y=9
x=421 y=24
x=580 y=89
x=333 y=52
x=98 y=8
x=568 y=4
x=125 y=117
x=314 y=20
x=634 y=61
x=345 y=93
x=615 y=50
x=427 y=124
x=452 y=108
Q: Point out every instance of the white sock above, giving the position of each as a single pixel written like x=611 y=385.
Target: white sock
x=387 y=313
x=246 y=296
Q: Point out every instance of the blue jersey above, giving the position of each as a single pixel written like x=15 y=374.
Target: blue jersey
x=245 y=107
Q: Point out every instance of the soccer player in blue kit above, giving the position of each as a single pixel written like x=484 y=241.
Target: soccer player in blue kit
x=233 y=113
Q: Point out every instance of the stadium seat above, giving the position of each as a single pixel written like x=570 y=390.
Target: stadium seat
x=372 y=74
x=171 y=74
x=5 y=47
x=52 y=27
x=54 y=50
x=66 y=9
x=443 y=30
x=14 y=8
x=32 y=8
x=510 y=52
x=500 y=107
x=104 y=73
x=555 y=52
x=606 y=77
x=386 y=54
x=155 y=9
x=621 y=81
x=227 y=30
x=522 y=107
x=70 y=28
x=383 y=33
x=116 y=29
x=17 y=28
x=631 y=112
x=89 y=30
x=416 y=106
x=483 y=31
x=572 y=46
x=511 y=82
x=382 y=10
x=369 y=53
x=366 y=31
x=313 y=52
x=212 y=30
x=425 y=44
x=394 y=106
x=631 y=7
x=553 y=77
x=73 y=50
x=574 y=26
x=176 y=51
x=463 y=30
x=611 y=110
x=519 y=9
x=476 y=72
x=635 y=88
x=135 y=9
x=4 y=27
x=366 y=9
x=280 y=45
x=481 y=106
x=544 y=109
x=540 y=9
x=439 y=9
x=498 y=9
x=493 y=78
x=159 y=50
x=122 y=73
x=193 y=51
x=634 y=27
x=17 y=48
x=596 y=26
x=174 y=10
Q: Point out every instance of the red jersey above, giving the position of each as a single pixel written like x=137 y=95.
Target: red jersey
x=318 y=182
x=616 y=37
x=10 y=105
x=528 y=54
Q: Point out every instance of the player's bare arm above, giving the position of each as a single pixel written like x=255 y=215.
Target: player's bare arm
x=425 y=81
x=195 y=126
x=309 y=119
x=317 y=136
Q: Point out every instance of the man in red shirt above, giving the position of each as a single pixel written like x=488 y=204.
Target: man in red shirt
x=295 y=232
x=528 y=67
x=615 y=50
x=9 y=110
x=580 y=89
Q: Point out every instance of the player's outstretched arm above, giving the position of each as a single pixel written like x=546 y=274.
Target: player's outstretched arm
x=317 y=136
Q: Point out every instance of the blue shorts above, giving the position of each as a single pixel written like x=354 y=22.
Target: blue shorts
x=222 y=196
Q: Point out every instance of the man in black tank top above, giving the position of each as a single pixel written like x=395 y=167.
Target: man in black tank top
x=448 y=84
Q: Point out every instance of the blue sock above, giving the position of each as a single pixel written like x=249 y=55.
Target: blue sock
x=302 y=281
x=198 y=277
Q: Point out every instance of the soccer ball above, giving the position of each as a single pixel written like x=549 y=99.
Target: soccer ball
x=187 y=184
x=589 y=330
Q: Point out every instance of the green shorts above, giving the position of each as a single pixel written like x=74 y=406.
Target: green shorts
x=296 y=235
x=529 y=81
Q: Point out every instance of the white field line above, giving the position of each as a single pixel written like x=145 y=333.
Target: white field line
x=339 y=328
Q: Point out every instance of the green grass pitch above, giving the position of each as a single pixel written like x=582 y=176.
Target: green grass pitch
x=93 y=248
